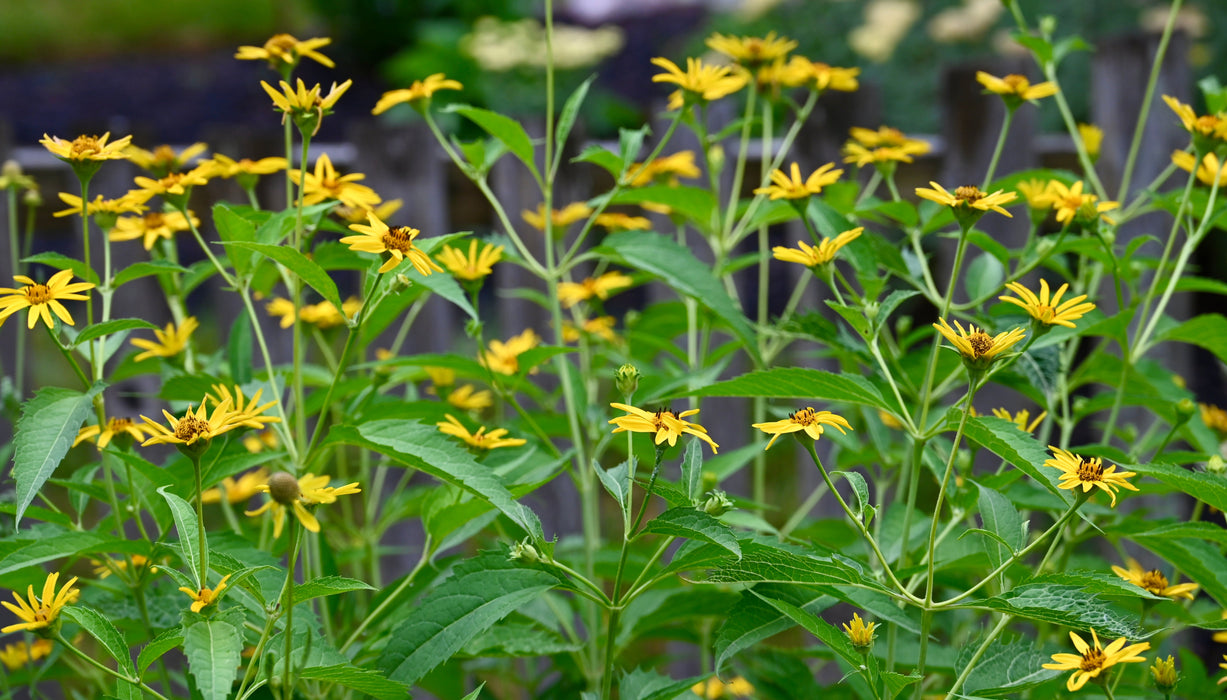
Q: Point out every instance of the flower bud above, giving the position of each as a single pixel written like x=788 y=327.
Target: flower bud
x=715 y=158
x=525 y=552
x=1163 y=671
x=1216 y=466
x=283 y=487
x=1185 y=409
x=11 y=170
x=715 y=503
x=626 y=378
x=32 y=197
x=860 y=633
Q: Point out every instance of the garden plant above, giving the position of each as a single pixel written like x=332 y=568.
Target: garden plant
x=246 y=540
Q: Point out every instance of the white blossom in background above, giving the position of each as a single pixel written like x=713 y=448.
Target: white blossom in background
x=969 y=22
x=886 y=23
x=501 y=46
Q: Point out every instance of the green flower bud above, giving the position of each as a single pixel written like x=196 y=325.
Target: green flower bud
x=715 y=503
x=525 y=552
x=1163 y=671
x=626 y=378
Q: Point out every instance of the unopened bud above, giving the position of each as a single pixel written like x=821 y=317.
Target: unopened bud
x=1185 y=409
x=11 y=170
x=1215 y=465
x=716 y=503
x=400 y=283
x=715 y=158
x=283 y=487
x=626 y=378
x=1163 y=671
x=32 y=197
x=525 y=552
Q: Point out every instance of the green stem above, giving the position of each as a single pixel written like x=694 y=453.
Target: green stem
x=72 y=361
x=202 y=576
x=992 y=164
x=287 y=606
x=1136 y=144
x=271 y=369
x=377 y=613
x=105 y=669
x=15 y=265
x=300 y=408
x=975 y=657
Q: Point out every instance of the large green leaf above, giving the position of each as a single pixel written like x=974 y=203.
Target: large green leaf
x=114 y=326
x=1066 y=606
x=799 y=383
x=425 y=448
x=306 y=269
x=447 y=287
x=158 y=647
x=1001 y=518
x=480 y=592
x=1016 y=447
x=763 y=563
x=48 y=425
x=696 y=525
x=99 y=627
x=19 y=553
x=828 y=634
x=1006 y=667
x=363 y=680
x=145 y=269
x=1204 y=487
x=328 y=585
x=504 y=129
x=213 y=649
x=1200 y=561
x=1208 y=332
x=188 y=528
x=231 y=227
x=1097 y=582
x=753 y=620
x=681 y=270
x=694 y=203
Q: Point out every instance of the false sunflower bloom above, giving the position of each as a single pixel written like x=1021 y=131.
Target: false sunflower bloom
x=131 y=203
x=417 y=92
x=152 y=226
x=1088 y=473
x=205 y=597
x=751 y=50
x=617 y=221
x=791 y=186
x=1046 y=309
x=174 y=187
x=170 y=342
x=716 y=689
x=816 y=255
x=1092 y=139
x=664 y=424
x=164 y=159
x=86 y=148
x=561 y=218
x=238 y=490
x=473 y=266
x=1154 y=581
x=284 y=51
x=859 y=632
x=1069 y=201
x=114 y=426
x=1015 y=89
x=571 y=293
x=828 y=77
x=244 y=412
x=196 y=425
x=1211 y=126
x=396 y=242
x=226 y=167
x=480 y=440
x=1090 y=661
x=1214 y=417
x=968 y=197
x=601 y=326
x=261 y=441
x=468 y=398
x=504 y=357
x=780 y=74
x=1209 y=169
x=699 y=82
x=886 y=145
x=324 y=184
x=1022 y=419
x=325 y=315
x=666 y=170
x=976 y=346
x=808 y=420
x=306 y=107
x=104 y=569
x=42 y=299
x=1035 y=193
x=18 y=654
x=38 y=613
x=289 y=493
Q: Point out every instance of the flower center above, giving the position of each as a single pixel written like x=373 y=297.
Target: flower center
x=399 y=238
x=1017 y=83
x=1091 y=470
x=1205 y=125
x=1092 y=660
x=164 y=155
x=154 y=220
x=969 y=194
x=891 y=136
x=38 y=294
x=115 y=425
x=980 y=342
x=191 y=427
x=1154 y=582
x=280 y=45
x=85 y=146
x=803 y=417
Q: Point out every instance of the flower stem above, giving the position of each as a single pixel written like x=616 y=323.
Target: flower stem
x=202 y=576
x=992 y=164
x=104 y=668
x=287 y=605
x=1136 y=144
x=300 y=408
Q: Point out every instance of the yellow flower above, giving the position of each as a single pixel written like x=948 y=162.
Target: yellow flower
x=792 y=187
x=163 y=159
x=976 y=345
x=1163 y=671
x=308 y=490
x=18 y=654
x=283 y=50
x=617 y=221
x=1092 y=139
x=131 y=203
x=441 y=376
x=419 y=90
x=821 y=254
x=151 y=227
x=467 y=398
x=237 y=490
x=205 y=596
x=1214 y=417
x=1209 y=170
x=827 y=77
x=43 y=299
x=504 y=357
x=808 y=420
x=325 y=315
x=1209 y=125
x=397 y=242
x=170 y=342
x=1090 y=661
x=1015 y=87
x=1088 y=473
x=968 y=197
x=667 y=170
x=889 y=420
x=226 y=168
x=860 y=633
x=780 y=74
x=664 y=424
x=698 y=81
x=103 y=569
x=307 y=107
x=571 y=293
x=601 y=326
x=886 y=145
x=561 y=218
x=279 y=306
x=356 y=215
x=1049 y=311
x=173 y=184
x=1223 y=666
x=1022 y=419
x=1070 y=201
x=1153 y=581
x=324 y=184
x=480 y=440
x=196 y=425
x=473 y=266
x=115 y=426
x=244 y=413
x=85 y=148
x=751 y=50
x=261 y=441
x=1035 y=192
x=715 y=689
x=39 y=613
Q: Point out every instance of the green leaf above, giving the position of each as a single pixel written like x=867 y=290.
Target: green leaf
x=764 y=563
x=1096 y=582
x=600 y=157
x=188 y=528
x=617 y=482
x=1204 y=487
x=328 y=585
x=306 y=269
x=62 y=262
x=48 y=425
x=232 y=227
x=799 y=383
x=1066 y=606
x=1200 y=561
x=239 y=349
x=827 y=633
x=692 y=470
x=1002 y=519
x=630 y=143
x=100 y=628
x=107 y=328
x=363 y=680
x=984 y=276
x=644 y=684
x=752 y=620
x=17 y=554
x=1208 y=332
x=504 y=129
x=213 y=649
x=1016 y=447
x=145 y=269
x=696 y=525
x=566 y=119
x=447 y=287
x=681 y=270
x=480 y=592
x=862 y=492
x=1006 y=667
x=474 y=695
x=693 y=203
x=854 y=315
x=157 y=647
x=425 y=448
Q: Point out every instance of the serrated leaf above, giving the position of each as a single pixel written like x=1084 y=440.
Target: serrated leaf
x=1001 y=518
x=600 y=157
x=860 y=488
x=984 y=276
x=696 y=525
x=617 y=482
x=1066 y=606
x=62 y=262
x=1200 y=561
x=762 y=563
x=854 y=315
x=1005 y=668
x=681 y=270
x=645 y=684
x=100 y=628
x=447 y=287
x=566 y=119
x=753 y=619
x=188 y=528
x=1016 y=447
x=1201 y=486
x=1208 y=332
x=693 y=203
x=157 y=647
x=798 y=383
x=107 y=328
x=692 y=470
x=231 y=227
x=328 y=585
x=306 y=269
x=48 y=425
x=827 y=633
x=474 y=695
x=213 y=649
x=363 y=680
x=144 y=269
x=17 y=554
x=503 y=128
x=1096 y=582
x=480 y=592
